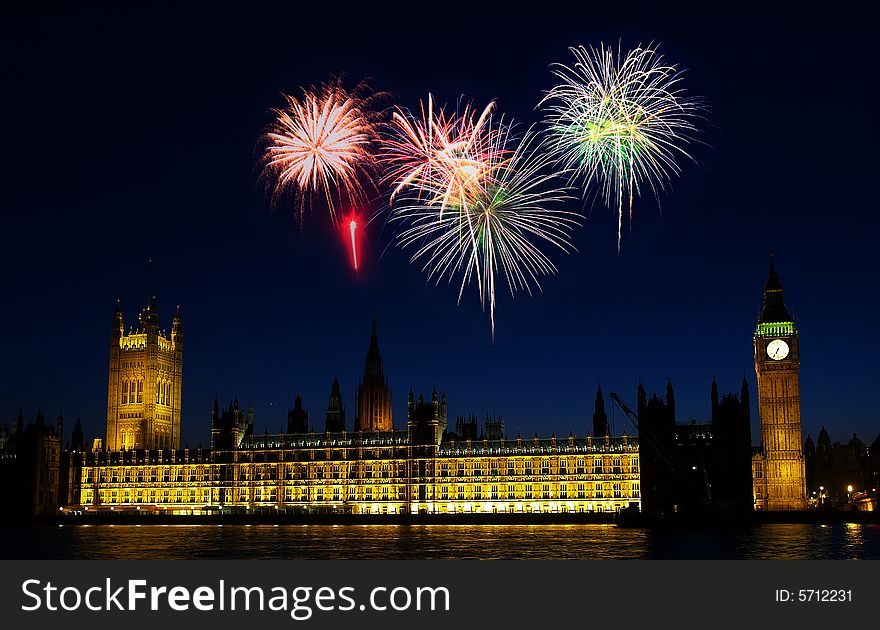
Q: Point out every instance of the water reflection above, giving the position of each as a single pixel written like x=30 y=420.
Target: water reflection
x=444 y=541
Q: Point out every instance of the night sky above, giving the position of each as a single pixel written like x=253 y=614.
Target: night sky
x=132 y=136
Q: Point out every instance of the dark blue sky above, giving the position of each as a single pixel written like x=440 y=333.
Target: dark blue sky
x=131 y=136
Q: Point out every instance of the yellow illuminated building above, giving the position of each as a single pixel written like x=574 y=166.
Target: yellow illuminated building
x=144 y=388
x=370 y=474
x=140 y=467
x=778 y=467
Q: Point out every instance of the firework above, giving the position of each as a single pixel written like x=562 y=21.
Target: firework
x=474 y=201
x=352 y=226
x=435 y=148
x=621 y=122
x=320 y=145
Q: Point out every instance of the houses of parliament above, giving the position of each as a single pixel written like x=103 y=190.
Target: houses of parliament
x=377 y=464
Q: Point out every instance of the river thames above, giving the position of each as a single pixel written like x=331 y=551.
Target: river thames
x=324 y=542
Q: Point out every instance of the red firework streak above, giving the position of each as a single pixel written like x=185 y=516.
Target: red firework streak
x=351 y=236
x=354 y=252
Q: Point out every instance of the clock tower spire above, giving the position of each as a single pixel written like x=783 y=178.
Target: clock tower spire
x=778 y=469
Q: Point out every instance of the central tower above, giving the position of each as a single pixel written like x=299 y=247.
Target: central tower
x=373 y=401
x=779 y=468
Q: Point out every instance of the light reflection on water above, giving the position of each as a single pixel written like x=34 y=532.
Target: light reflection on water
x=843 y=541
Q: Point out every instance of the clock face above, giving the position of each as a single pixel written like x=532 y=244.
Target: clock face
x=777 y=349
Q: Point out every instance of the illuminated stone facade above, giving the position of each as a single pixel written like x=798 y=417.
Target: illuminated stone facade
x=375 y=470
x=778 y=466
x=373 y=473
x=143 y=393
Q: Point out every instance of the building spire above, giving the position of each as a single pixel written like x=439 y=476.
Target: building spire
x=774 y=301
x=373 y=363
x=151 y=288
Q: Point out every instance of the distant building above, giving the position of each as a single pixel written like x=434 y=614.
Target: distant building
x=838 y=474
x=231 y=427
x=334 y=418
x=429 y=420
x=297 y=418
x=32 y=456
x=468 y=428
x=465 y=429
x=695 y=467
x=600 y=418
x=494 y=427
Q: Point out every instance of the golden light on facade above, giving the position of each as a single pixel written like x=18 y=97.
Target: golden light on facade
x=378 y=473
x=778 y=470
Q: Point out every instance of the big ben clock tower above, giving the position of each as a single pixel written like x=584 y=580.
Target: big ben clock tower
x=779 y=467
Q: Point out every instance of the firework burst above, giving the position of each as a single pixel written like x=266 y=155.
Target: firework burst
x=436 y=148
x=320 y=145
x=474 y=201
x=621 y=122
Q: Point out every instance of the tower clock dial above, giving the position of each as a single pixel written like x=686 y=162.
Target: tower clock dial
x=777 y=349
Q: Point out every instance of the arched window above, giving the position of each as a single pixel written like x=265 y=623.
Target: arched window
x=167 y=393
x=140 y=397
x=132 y=391
x=158 y=392
x=124 y=392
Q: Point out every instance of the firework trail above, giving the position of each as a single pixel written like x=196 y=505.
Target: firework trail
x=320 y=145
x=620 y=122
x=474 y=201
x=352 y=225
